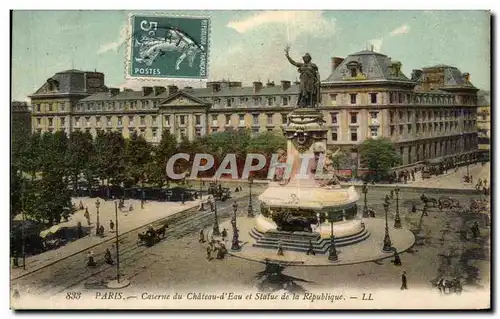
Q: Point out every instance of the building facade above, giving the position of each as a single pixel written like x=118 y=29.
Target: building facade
x=483 y=120
x=432 y=114
x=20 y=119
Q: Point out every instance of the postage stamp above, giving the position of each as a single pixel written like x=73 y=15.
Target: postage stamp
x=168 y=47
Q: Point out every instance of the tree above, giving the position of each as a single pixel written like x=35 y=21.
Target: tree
x=379 y=156
x=137 y=157
x=31 y=161
x=109 y=159
x=79 y=156
x=267 y=144
x=164 y=150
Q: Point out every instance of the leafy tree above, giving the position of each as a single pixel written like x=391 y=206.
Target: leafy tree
x=31 y=161
x=109 y=159
x=267 y=144
x=379 y=156
x=165 y=149
x=137 y=157
x=338 y=159
x=79 y=156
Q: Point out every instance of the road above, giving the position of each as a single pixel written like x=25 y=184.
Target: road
x=178 y=261
x=73 y=271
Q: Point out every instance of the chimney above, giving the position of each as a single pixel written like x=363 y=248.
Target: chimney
x=146 y=90
x=336 y=61
x=157 y=90
x=214 y=85
x=416 y=74
x=172 y=89
x=270 y=84
x=113 y=91
x=257 y=86
x=285 y=85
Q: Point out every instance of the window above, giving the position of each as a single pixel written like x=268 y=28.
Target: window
x=108 y=120
x=63 y=121
x=255 y=119
x=392 y=130
x=391 y=116
x=155 y=133
x=197 y=119
x=373 y=115
x=409 y=128
x=353 y=72
x=269 y=101
x=228 y=119
x=38 y=107
x=374 y=131
x=243 y=100
x=408 y=114
x=335 y=135
x=143 y=121
x=153 y=119
x=167 y=120
x=373 y=98
x=334 y=116
x=418 y=128
x=198 y=132
x=401 y=130
x=391 y=97
x=354 y=134
x=182 y=120
x=77 y=121
x=51 y=122
x=333 y=97
x=241 y=119
x=142 y=132
x=214 y=119
x=400 y=97
x=269 y=129
x=400 y=114
x=183 y=133
x=285 y=101
x=354 y=118
x=353 y=98
x=87 y=121
x=88 y=106
x=216 y=101
x=256 y=101
x=284 y=119
x=214 y=129
x=229 y=102
x=269 y=119
x=61 y=107
x=131 y=121
x=38 y=121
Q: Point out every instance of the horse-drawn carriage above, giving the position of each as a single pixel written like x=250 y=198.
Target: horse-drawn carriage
x=478 y=205
x=219 y=192
x=426 y=200
x=448 y=202
x=432 y=167
x=152 y=235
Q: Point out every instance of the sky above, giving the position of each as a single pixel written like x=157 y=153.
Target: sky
x=249 y=46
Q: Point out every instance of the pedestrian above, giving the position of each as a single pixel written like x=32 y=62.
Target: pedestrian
x=280 y=248
x=391 y=194
x=413 y=208
x=107 y=257
x=475 y=230
x=405 y=177
x=224 y=234
x=424 y=211
x=310 y=251
x=413 y=175
x=101 y=231
x=111 y=225
x=202 y=237
x=485 y=182
x=397 y=259
x=80 y=206
x=403 y=281
x=182 y=199
x=79 y=230
x=90 y=259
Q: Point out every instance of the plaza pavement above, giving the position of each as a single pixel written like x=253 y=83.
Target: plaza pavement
x=127 y=221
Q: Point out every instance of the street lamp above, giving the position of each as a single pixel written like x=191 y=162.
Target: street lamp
x=216 y=231
x=387 y=240
x=332 y=252
x=235 y=245
x=250 y=207
x=97 y=204
x=365 y=191
x=397 y=219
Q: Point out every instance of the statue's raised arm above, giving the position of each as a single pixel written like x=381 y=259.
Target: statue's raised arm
x=287 y=54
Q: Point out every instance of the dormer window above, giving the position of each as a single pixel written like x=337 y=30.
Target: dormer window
x=355 y=68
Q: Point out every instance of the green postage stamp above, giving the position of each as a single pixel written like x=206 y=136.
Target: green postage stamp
x=168 y=47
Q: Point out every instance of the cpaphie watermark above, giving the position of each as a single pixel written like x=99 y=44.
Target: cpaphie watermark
x=253 y=162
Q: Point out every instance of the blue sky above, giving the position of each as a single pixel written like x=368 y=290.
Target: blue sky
x=248 y=45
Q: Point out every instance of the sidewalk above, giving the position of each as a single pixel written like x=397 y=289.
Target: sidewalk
x=450 y=180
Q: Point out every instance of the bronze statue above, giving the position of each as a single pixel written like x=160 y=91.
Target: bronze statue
x=309 y=95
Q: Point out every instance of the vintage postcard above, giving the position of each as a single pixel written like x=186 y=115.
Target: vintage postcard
x=250 y=160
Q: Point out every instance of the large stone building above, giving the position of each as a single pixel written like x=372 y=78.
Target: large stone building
x=20 y=119
x=432 y=114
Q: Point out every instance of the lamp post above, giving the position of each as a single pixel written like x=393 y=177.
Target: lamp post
x=387 y=240
x=332 y=251
x=216 y=231
x=235 y=245
x=397 y=218
x=202 y=208
x=250 y=207
x=97 y=204
x=142 y=194
x=365 y=207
